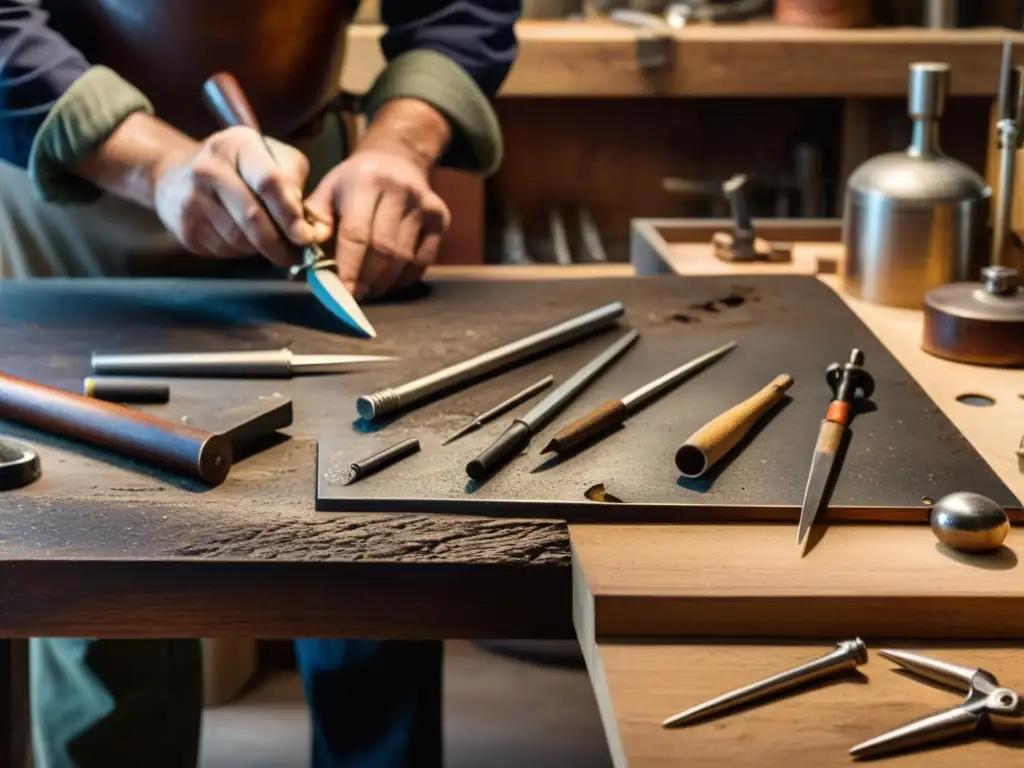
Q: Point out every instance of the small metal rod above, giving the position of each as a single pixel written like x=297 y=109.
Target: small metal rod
x=378 y=461
x=503 y=407
x=126 y=390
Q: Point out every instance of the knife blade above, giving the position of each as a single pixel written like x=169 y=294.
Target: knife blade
x=225 y=99
x=848 y=382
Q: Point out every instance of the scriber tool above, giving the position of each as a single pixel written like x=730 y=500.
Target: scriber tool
x=225 y=99
x=987 y=703
x=270 y=363
x=847 y=655
x=521 y=431
x=503 y=407
x=611 y=413
x=848 y=382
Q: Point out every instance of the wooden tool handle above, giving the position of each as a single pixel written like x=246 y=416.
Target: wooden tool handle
x=719 y=436
x=178 y=447
x=605 y=416
x=225 y=98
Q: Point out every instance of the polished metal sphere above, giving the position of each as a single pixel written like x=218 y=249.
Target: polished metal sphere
x=969 y=522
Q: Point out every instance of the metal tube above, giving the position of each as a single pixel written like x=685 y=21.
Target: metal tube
x=178 y=447
x=390 y=400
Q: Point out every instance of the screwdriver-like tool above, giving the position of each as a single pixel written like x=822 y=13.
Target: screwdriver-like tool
x=521 y=431
x=224 y=97
x=611 y=413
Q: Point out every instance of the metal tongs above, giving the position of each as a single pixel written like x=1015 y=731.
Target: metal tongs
x=987 y=704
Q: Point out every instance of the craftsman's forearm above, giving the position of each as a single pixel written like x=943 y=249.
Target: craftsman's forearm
x=130 y=161
x=411 y=127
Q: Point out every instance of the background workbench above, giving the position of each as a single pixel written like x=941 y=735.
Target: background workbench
x=670 y=616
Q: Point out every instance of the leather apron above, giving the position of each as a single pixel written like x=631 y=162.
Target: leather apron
x=286 y=54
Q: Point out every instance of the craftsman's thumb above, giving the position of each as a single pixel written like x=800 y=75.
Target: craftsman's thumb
x=320 y=209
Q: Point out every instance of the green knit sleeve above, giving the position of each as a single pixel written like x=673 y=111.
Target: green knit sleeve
x=476 y=143
x=81 y=120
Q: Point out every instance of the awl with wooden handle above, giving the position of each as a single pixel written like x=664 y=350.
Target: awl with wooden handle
x=611 y=413
x=224 y=97
x=715 y=439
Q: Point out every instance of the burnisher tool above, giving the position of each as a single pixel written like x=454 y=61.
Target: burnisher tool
x=703 y=449
x=226 y=100
x=848 y=655
x=270 y=363
x=521 y=431
x=393 y=399
x=503 y=407
x=611 y=413
x=986 y=703
x=848 y=382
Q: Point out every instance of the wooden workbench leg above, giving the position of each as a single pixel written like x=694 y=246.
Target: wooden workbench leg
x=13 y=703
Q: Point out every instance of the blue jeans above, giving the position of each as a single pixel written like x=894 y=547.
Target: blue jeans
x=110 y=703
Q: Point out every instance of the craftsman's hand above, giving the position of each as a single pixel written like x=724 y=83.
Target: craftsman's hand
x=223 y=198
x=388 y=222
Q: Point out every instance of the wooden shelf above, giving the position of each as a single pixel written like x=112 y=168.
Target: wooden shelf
x=595 y=58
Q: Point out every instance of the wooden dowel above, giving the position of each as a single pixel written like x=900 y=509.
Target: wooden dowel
x=711 y=442
x=177 y=447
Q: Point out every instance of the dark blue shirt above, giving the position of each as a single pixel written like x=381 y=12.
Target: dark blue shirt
x=37 y=64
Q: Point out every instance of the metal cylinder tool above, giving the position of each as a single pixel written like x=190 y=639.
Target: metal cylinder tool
x=394 y=399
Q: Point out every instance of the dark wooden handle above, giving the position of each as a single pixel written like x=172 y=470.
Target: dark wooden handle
x=508 y=444
x=142 y=436
x=609 y=414
x=225 y=98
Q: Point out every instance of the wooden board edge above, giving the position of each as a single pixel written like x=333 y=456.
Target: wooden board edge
x=583 y=623
x=948 y=618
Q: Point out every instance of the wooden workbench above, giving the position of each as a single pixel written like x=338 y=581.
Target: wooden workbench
x=599 y=58
x=670 y=616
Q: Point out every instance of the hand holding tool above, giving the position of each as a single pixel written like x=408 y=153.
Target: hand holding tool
x=378 y=461
x=969 y=522
x=986 y=703
x=387 y=401
x=521 y=431
x=707 y=445
x=848 y=655
x=848 y=382
x=611 y=413
x=178 y=447
x=503 y=407
x=271 y=363
x=19 y=465
x=224 y=97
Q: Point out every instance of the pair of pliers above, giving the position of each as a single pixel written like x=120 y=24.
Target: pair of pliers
x=987 y=703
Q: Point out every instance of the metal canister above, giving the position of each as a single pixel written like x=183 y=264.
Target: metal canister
x=917 y=219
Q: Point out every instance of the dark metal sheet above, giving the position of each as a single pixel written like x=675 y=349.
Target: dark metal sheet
x=899 y=454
